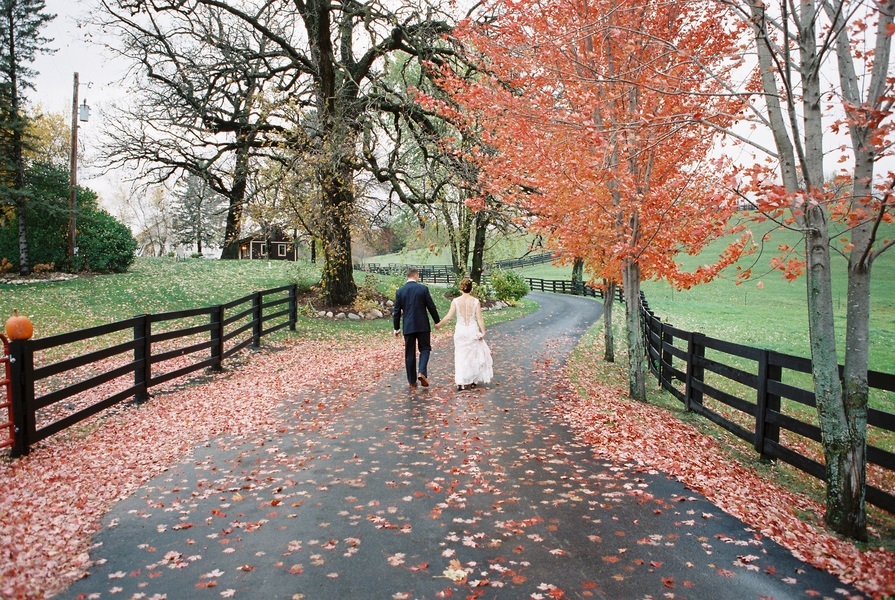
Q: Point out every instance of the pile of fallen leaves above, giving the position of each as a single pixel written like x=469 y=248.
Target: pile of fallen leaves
x=626 y=430
x=53 y=499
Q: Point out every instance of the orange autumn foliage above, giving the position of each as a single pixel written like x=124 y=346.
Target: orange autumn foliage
x=595 y=120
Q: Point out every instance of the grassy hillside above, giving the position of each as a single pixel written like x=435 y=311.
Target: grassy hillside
x=152 y=285
x=768 y=311
x=500 y=248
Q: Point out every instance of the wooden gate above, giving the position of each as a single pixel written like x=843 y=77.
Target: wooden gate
x=7 y=427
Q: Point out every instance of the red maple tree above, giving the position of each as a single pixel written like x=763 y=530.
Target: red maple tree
x=596 y=120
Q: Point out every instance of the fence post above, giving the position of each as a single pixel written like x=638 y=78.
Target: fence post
x=765 y=402
x=665 y=356
x=257 y=299
x=293 y=306
x=695 y=370
x=217 y=338
x=142 y=358
x=21 y=376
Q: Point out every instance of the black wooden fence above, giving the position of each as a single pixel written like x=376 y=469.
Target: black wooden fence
x=52 y=396
x=575 y=288
x=124 y=360
x=763 y=392
x=445 y=273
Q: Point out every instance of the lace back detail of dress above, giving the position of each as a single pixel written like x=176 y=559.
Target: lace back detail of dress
x=466 y=311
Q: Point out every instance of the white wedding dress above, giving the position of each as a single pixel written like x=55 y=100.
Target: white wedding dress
x=472 y=357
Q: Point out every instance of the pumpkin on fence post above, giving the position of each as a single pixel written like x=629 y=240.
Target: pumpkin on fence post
x=19 y=327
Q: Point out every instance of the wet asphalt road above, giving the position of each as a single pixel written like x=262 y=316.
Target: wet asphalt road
x=381 y=493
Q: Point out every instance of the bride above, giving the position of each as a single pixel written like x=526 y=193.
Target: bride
x=472 y=357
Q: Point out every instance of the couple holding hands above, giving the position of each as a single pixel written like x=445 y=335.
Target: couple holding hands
x=472 y=357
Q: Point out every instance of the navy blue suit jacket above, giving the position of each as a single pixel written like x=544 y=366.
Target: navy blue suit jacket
x=412 y=301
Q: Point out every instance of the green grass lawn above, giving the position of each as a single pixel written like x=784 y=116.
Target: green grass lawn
x=156 y=285
x=775 y=315
x=504 y=247
x=152 y=285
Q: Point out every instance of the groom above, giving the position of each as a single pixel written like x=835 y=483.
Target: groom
x=413 y=300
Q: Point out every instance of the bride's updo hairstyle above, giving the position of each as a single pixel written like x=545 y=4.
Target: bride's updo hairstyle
x=466 y=285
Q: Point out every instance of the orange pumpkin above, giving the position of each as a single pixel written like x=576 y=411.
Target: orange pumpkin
x=19 y=327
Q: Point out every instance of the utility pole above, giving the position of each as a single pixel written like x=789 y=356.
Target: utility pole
x=73 y=171
x=82 y=114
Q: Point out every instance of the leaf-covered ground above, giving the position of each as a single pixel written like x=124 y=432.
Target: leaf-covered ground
x=311 y=472
x=626 y=430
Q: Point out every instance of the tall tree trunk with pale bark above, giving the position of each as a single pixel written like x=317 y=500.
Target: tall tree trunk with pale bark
x=636 y=352
x=841 y=402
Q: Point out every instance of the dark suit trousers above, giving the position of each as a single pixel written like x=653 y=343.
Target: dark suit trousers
x=422 y=339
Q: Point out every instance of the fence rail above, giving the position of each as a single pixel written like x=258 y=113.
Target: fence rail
x=445 y=273
x=760 y=399
x=136 y=355
x=574 y=288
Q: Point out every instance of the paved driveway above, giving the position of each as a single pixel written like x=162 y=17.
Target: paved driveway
x=377 y=492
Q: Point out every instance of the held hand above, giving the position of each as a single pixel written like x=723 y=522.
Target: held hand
x=397 y=332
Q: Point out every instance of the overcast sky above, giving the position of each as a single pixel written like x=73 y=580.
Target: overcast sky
x=76 y=51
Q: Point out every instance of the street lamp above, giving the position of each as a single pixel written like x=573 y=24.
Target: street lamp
x=81 y=113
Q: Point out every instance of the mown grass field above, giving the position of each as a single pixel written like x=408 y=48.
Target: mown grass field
x=156 y=285
x=774 y=314
x=771 y=315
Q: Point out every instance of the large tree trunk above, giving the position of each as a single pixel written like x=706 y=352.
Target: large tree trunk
x=846 y=462
x=843 y=445
x=237 y=201
x=232 y=232
x=633 y=330
x=846 y=512
x=836 y=433
x=850 y=517
x=608 y=332
x=478 y=246
x=841 y=415
x=337 y=208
